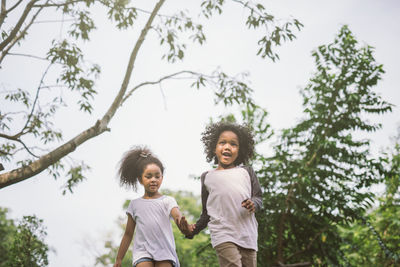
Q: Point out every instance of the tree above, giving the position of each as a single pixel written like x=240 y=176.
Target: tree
x=374 y=239
x=320 y=174
x=22 y=244
x=34 y=138
x=196 y=252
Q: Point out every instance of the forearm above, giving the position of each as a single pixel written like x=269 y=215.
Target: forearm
x=201 y=223
x=126 y=240
x=123 y=247
x=176 y=215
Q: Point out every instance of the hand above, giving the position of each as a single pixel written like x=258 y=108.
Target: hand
x=118 y=263
x=185 y=227
x=249 y=205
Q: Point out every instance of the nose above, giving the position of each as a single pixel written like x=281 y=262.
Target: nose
x=227 y=146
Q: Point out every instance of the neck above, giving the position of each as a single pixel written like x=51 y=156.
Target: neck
x=151 y=195
x=222 y=166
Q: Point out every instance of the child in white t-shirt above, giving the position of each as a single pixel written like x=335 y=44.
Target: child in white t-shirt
x=149 y=215
x=231 y=194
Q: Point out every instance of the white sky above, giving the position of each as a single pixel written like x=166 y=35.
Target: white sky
x=171 y=125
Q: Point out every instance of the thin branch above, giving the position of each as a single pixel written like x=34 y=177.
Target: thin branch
x=13 y=138
x=18 y=26
x=281 y=227
x=119 y=98
x=156 y=82
x=53 y=21
x=23 y=32
x=59 y=5
x=4 y=11
x=27 y=55
x=26 y=148
x=14 y=6
x=6 y=136
x=35 y=101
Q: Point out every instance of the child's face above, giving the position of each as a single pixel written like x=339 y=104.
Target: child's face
x=227 y=149
x=151 y=179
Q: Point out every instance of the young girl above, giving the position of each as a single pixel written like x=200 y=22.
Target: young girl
x=230 y=195
x=154 y=243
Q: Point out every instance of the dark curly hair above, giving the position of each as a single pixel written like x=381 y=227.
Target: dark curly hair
x=133 y=163
x=246 y=140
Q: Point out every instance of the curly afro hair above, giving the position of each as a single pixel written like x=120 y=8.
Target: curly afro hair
x=133 y=164
x=246 y=141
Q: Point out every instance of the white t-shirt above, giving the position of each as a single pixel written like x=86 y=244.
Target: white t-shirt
x=153 y=234
x=229 y=221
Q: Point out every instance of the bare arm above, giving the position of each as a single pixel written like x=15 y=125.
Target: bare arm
x=126 y=241
x=177 y=215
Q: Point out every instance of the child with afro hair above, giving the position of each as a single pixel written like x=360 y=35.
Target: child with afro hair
x=231 y=194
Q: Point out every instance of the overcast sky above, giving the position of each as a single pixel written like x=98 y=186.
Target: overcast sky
x=170 y=118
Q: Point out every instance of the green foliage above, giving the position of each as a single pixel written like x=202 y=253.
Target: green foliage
x=75 y=176
x=32 y=116
x=22 y=245
x=374 y=239
x=7 y=228
x=319 y=175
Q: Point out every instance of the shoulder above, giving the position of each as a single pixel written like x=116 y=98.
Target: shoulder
x=168 y=199
x=134 y=202
x=203 y=176
x=249 y=169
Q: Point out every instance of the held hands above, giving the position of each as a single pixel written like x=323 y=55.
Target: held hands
x=249 y=205
x=185 y=227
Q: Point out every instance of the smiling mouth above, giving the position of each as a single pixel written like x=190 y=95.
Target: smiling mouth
x=226 y=154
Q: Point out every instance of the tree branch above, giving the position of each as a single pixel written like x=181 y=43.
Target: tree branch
x=281 y=226
x=59 y=5
x=16 y=139
x=52 y=157
x=119 y=98
x=27 y=55
x=45 y=161
x=17 y=38
x=156 y=82
x=4 y=11
x=35 y=101
x=18 y=26
x=14 y=6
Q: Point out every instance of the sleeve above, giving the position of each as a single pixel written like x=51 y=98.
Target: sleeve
x=130 y=211
x=170 y=203
x=204 y=217
x=256 y=193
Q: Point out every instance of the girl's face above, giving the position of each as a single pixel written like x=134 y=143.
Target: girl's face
x=151 y=180
x=227 y=149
